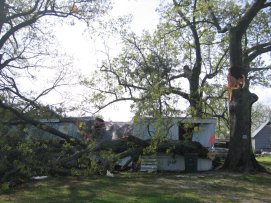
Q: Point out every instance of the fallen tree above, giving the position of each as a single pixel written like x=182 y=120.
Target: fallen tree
x=24 y=157
x=134 y=147
x=56 y=158
x=36 y=123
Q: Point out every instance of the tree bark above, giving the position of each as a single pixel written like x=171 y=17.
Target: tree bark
x=240 y=156
x=195 y=98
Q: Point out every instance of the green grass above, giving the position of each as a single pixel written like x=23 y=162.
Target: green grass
x=144 y=188
x=265 y=161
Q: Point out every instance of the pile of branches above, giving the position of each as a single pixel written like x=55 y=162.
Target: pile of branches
x=28 y=158
x=134 y=147
x=23 y=157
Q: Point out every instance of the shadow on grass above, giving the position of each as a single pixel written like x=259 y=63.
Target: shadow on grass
x=259 y=179
x=102 y=189
x=140 y=187
x=266 y=164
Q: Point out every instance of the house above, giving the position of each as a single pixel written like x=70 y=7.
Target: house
x=261 y=138
x=179 y=128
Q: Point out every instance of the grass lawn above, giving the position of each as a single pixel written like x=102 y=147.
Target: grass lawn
x=265 y=161
x=143 y=187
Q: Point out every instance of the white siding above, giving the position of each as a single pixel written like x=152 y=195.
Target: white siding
x=206 y=130
x=207 y=127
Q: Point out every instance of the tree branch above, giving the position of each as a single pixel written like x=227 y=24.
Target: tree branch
x=23 y=14
x=10 y=32
x=217 y=69
x=258 y=50
x=37 y=124
x=260 y=69
x=256 y=47
x=245 y=21
x=215 y=21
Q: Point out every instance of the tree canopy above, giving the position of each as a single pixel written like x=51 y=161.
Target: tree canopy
x=193 y=47
x=27 y=44
x=197 y=42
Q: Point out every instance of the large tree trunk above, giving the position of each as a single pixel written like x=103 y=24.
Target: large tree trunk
x=240 y=157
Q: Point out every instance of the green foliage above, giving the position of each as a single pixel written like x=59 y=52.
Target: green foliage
x=138 y=74
x=95 y=163
x=27 y=152
x=4 y=187
x=162 y=125
x=148 y=71
x=21 y=157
